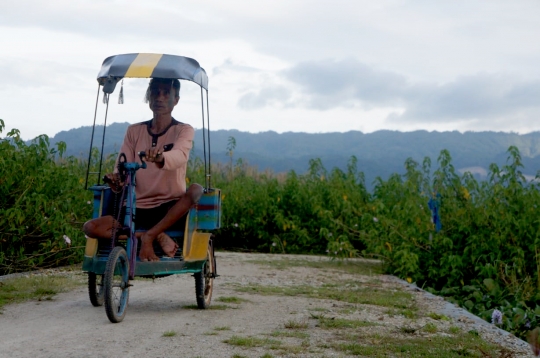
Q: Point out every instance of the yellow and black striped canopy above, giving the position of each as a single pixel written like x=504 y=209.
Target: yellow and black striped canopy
x=150 y=65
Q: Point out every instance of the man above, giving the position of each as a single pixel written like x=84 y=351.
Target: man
x=162 y=198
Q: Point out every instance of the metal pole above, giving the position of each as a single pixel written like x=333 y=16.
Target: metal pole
x=103 y=139
x=92 y=140
x=204 y=141
x=209 y=151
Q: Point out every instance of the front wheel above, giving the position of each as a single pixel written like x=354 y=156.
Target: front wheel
x=116 y=283
x=204 y=280
x=96 y=289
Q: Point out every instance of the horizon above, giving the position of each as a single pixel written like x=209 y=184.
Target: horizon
x=293 y=132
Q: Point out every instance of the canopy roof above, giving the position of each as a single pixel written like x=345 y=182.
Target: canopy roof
x=150 y=65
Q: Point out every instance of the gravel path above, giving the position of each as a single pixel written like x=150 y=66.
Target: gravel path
x=68 y=326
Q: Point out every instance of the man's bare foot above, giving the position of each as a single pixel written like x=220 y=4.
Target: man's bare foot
x=168 y=245
x=147 y=251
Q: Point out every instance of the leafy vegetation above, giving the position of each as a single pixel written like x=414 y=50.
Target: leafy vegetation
x=41 y=204
x=485 y=256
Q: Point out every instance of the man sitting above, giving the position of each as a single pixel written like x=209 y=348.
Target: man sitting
x=161 y=193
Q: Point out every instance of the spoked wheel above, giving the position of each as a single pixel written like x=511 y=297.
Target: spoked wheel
x=204 y=280
x=116 y=283
x=96 y=290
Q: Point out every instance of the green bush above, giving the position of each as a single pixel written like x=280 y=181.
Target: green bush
x=41 y=201
x=486 y=257
x=289 y=213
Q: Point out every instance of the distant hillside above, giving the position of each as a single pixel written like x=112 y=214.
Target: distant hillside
x=379 y=154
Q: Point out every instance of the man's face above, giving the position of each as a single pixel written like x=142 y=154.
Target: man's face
x=162 y=98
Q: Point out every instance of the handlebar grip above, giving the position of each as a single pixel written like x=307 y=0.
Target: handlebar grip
x=142 y=153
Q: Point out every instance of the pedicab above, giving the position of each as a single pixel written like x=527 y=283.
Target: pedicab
x=111 y=264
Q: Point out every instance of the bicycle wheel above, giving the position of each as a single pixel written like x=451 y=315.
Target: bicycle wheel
x=96 y=291
x=116 y=282
x=204 y=281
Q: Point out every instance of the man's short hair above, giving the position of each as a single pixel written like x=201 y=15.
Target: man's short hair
x=171 y=82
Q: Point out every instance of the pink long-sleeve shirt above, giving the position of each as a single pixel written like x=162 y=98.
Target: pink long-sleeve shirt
x=155 y=185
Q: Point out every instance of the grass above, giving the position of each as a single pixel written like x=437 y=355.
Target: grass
x=340 y=323
x=250 y=342
x=438 y=317
x=464 y=345
x=293 y=324
x=357 y=337
x=317 y=315
x=345 y=336
x=222 y=328
x=474 y=333
x=212 y=307
x=41 y=288
x=289 y=350
x=355 y=266
x=430 y=328
x=319 y=309
x=231 y=299
x=290 y=334
x=408 y=329
x=410 y=313
x=268 y=343
x=349 y=310
x=353 y=293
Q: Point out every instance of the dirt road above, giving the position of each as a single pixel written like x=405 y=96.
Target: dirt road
x=161 y=320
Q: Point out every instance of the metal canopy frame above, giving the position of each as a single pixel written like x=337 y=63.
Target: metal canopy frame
x=150 y=65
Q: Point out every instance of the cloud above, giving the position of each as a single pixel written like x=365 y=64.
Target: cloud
x=104 y=18
x=229 y=65
x=269 y=96
x=331 y=84
x=417 y=61
x=328 y=84
x=325 y=85
x=21 y=73
x=471 y=98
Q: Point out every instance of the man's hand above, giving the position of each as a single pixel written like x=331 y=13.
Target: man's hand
x=155 y=155
x=114 y=181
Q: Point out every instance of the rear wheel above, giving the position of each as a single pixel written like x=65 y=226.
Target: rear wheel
x=116 y=283
x=96 y=289
x=204 y=280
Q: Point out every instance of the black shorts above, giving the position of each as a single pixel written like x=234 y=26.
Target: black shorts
x=145 y=219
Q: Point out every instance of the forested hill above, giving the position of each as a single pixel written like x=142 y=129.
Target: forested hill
x=379 y=154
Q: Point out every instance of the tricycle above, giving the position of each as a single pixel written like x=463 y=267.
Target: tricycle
x=112 y=263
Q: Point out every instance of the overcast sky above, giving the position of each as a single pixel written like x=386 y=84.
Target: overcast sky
x=295 y=65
